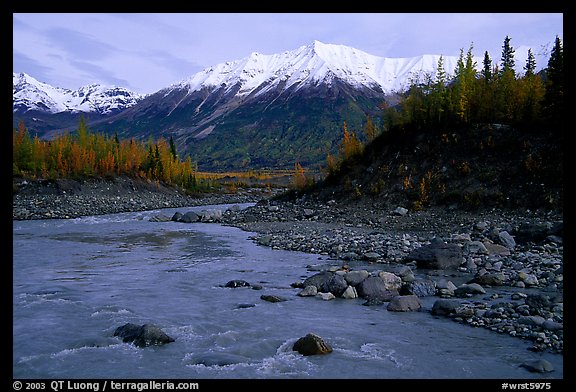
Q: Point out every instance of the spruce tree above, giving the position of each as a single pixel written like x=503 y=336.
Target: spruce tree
x=487 y=68
x=507 y=58
x=554 y=96
x=530 y=66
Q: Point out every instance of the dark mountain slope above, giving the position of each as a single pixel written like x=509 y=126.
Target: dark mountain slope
x=471 y=168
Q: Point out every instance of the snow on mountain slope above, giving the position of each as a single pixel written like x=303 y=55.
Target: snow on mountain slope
x=314 y=64
x=31 y=94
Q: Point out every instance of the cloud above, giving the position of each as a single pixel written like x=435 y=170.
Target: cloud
x=23 y=63
x=96 y=72
x=174 y=64
x=79 y=45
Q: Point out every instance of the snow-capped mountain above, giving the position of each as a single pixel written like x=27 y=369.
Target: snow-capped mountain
x=31 y=94
x=313 y=65
x=260 y=111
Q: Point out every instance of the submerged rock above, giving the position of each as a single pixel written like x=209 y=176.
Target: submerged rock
x=142 y=335
x=237 y=283
x=273 y=298
x=539 y=366
x=311 y=344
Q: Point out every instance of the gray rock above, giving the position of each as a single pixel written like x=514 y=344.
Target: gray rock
x=495 y=249
x=374 y=287
x=142 y=335
x=211 y=215
x=420 y=288
x=490 y=279
x=391 y=281
x=325 y=296
x=472 y=288
x=265 y=240
x=531 y=320
x=318 y=280
x=311 y=344
x=308 y=212
x=504 y=238
x=273 y=298
x=401 y=211
x=445 y=307
x=528 y=279
x=551 y=325
x=336 y=284
x=538 y=366
x=176 y=217
x=308 y=291
x=445 y=284
x=350 y=293
x=538 y=300
x=372 y=256
x=190 y=217
x=237 y=283
x=437 y=256
x=404 y=303
x=532 y=232
x=355 y=277
x=476 y=247
x=159 y=218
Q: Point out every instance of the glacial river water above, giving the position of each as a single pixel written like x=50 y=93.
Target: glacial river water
x=75 y=281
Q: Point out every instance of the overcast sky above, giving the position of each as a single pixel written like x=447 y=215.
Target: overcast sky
x=150 y=51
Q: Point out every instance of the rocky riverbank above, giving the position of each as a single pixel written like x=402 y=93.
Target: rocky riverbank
x=497 y=269
x=507 y=265
x=65 y=198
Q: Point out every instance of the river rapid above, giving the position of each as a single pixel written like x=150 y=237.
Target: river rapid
x=76 y=280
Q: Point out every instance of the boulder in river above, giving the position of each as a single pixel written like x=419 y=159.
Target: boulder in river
x=190 y=217
x=311 y=344
x=374 y=287
x=539 y=366
x=273 y=298
x=237 y=283
x=445 y=307
x=420 y=288
x=404 y=303
x=142 y=335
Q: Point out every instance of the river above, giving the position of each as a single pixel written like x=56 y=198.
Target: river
x=75 y=281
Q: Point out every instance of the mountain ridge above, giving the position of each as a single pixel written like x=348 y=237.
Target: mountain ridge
x=266 y=110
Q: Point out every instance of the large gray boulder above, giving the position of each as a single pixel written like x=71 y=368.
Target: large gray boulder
x=190 y=217
x=375 y=288
x=445 y=307
x=327 y=282
x=311 y=344
x=336 y=285
x=355 y=277
x=404 y=303
x=420 y=288
x=142 y=335
x=490 y=279
x=437 y=256
x=391 y=281
x=320 y=279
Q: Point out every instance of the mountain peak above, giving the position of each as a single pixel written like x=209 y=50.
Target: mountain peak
x=31 y=94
